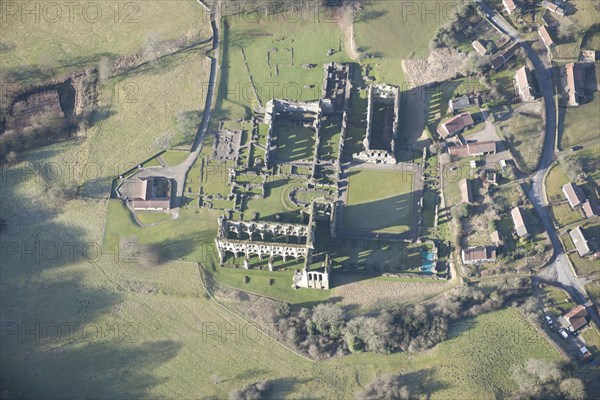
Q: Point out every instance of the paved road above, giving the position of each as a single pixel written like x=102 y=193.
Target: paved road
x=558 y=269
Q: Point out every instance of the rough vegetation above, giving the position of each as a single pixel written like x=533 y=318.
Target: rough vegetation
x=325 y=331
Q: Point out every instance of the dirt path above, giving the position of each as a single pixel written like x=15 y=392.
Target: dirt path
x=346 y=24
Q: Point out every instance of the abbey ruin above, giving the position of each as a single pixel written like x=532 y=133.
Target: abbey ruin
x=292 y=125
x=382 y=125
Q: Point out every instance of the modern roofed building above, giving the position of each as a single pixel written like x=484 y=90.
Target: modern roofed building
x=519 y=222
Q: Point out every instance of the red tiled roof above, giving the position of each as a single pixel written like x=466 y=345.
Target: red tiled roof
x=546 y=38
x=577 y=311
x=455 y=124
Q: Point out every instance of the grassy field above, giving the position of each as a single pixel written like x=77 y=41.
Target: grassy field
x=379 y=201
x=59 y=38
x=379 y=25
x=523 y=134
x=580 y=124
x=293 y=143
x=153 y=106
x=151 y=333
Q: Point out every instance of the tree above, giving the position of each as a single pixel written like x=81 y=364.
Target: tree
x=573 y=389
x=459 y=211
x=387 y=387
x=251 y=391
x=328 y=318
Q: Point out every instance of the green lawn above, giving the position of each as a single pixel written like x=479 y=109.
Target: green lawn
x=557 y=301
x=329 y=147
x=555 y=180
x=215 y=176
x=65 y=38
x=379 y=201
x=175 y=157
x=452 y=175
x=580 y=124
x=150 y=217
x=184 y=238
x=275 y=202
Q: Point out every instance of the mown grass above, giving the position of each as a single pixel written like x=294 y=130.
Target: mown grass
x=174 y=157
x=66 y=37
x=379 y=201
x=275 y=202
x=272 y=38
x=150 y=217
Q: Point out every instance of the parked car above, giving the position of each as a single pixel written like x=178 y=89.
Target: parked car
x=563 y=333
x=549 y=320
x=575 y=148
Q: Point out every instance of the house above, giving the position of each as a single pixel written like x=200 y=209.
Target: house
x=509 y=6
x=546 y=38
x=495 y=237
x=575 y=83
x=481 y=148
x=479 y=47
x=473 y=149
x=455 y=125
x=466 y=194
x=574 y=194
x=500 y=59
x=554 y=8
x=574 y=319
x=479 y=254
x=590 y=208
x=459 y=103
x=519 y=222
x=523 y=82
x=580 y=242
x=151 y=193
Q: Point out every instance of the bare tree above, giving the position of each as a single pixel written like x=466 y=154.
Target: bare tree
x=573 y=389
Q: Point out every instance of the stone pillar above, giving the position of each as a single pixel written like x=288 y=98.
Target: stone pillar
x=221 y=256
x=271 y=264
x=262 y=236
x=246 y=263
